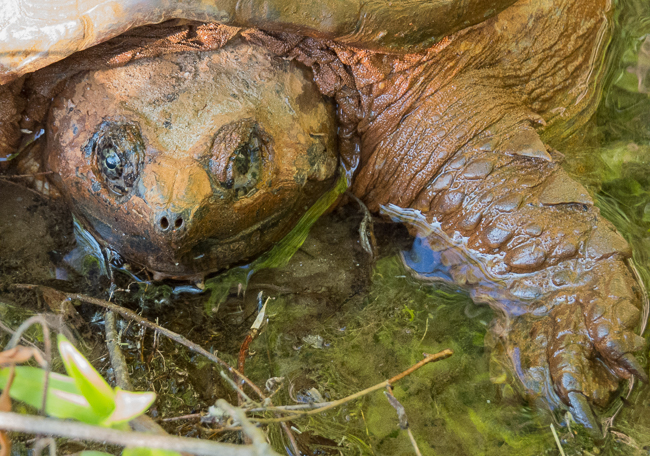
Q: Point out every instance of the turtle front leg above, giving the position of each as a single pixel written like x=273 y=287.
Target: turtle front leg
x=504 y=219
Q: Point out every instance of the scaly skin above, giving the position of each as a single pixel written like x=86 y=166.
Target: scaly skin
x=569 y=299
x=455 y=135
x=553 y=267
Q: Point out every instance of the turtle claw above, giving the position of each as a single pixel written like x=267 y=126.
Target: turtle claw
x=576 y=351
x=583 y=414
x=633 y=366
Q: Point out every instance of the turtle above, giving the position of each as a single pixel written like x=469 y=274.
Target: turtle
x=448 y=115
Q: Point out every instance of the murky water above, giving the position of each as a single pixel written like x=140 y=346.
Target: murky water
x=339 y=321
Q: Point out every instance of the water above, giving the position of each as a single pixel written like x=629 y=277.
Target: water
x=340 y=321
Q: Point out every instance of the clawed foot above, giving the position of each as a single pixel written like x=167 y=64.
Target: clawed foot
x=577 y=349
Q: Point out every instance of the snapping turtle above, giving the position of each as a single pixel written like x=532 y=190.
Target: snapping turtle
x=447 y=113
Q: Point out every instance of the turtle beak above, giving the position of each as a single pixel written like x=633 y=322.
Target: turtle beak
x=175 y=191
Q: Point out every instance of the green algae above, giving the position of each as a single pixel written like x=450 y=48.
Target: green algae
x=453 y=406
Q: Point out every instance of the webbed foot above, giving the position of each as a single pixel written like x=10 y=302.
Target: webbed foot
x=528 y=240
x=576 y=352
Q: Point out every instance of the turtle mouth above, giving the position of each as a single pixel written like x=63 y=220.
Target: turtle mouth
x=203 y=258
x=194 y=265
x=269 y=222
x=286 y=246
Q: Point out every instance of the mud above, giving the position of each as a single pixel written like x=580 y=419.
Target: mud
x=35 y=234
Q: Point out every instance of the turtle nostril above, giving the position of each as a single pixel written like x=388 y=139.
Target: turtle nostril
x=179 y=222
x=164 y=223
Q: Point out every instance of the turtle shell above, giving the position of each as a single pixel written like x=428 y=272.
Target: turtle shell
x=37 y=33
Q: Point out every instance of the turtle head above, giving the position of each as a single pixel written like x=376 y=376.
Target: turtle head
x=190 y=162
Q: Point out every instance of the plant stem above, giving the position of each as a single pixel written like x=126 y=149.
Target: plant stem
x=142 y=423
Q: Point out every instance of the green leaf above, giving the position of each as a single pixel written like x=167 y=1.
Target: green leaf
x=128 y=405
x=94 y=388
x=94 y=453
x=148 y=452
x=64 y=400
x=281 y=252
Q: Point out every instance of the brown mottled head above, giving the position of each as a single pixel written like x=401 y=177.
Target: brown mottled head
x=191 y=162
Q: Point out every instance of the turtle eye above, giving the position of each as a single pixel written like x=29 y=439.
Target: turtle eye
x=119 y=150
x=237 y=156
x=111 y=163
x=244 y=167
x=112 y=160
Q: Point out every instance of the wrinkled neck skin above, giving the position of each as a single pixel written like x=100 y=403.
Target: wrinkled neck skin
x=452 y=131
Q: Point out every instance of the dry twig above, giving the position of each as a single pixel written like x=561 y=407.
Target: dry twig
x=117 y=357
x=258 y=438
x=401 y=416
x=168 y=333
x=366 y=231
x=61 y=428
x=41 y=444
x=557 y=440
x=148 y=324
x=318 y=407
x=142 y=423
x=48 y=350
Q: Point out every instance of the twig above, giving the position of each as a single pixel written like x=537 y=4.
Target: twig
x=183 y=417
x=117 y=357
x=366 y=232
x=47 y=426
x=16 y=176
x=41 y=444
x=166 y=332
x=148 y=324
x=403 y=420
x=292 y=439
x=413 y=442
x=557 y=440
x=238 y=390
x=142 y=423
x=319 y=407
x=258 y=438
x=7 y=181
x=212 y=431
x=198 y=416
x=23 y=339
